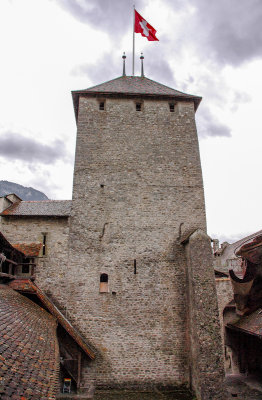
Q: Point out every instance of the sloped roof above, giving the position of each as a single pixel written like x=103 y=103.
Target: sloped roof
x=9 y=250
x=45 y=208
x=27 y=286
x=133 y=86
x=29 y=352
x=251 y=324
x=29 y=249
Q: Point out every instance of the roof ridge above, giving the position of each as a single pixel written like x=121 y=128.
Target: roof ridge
x=42 y=201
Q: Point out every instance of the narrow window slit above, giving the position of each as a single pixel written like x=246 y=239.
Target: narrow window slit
x=138 y=106
x=101 y=105
x=44 y=244
x=135 y=267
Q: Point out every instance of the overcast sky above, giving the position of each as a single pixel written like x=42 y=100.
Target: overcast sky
x=208 y=48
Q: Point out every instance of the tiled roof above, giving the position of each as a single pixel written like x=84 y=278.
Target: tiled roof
x=45 y=208
x=29 y=353
x=9 y=250
x=28 y=249
x=27 y=286
x=133 y=86
x=251 y=324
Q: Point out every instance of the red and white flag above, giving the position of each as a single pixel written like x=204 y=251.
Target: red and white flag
x=143 y=27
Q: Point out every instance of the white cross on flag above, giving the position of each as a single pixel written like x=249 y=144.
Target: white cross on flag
x=143 y=27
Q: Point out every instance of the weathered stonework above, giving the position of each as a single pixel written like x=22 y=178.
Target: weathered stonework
x=137 y=191
x=50 y=268
x=137 y=188
x=206 y=360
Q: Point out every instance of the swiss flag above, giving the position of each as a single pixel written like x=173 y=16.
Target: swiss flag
x=143 y=27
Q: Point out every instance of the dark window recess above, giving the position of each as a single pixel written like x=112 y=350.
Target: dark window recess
x=44 y=244
x=103 y=278
x=5 y=268
x=103 y=288
x=138 y=106
x=25 y=269
x=102 y=105
x=172 y=107
x=135 y=267
x=102 y=185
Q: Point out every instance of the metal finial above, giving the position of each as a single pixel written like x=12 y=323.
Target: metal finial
x=124 y=64
x=142 y=65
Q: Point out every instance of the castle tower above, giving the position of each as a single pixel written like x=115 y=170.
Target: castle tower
x=137 y=199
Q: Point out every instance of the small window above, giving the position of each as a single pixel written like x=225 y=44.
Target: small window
x=25 y=269
x=44 y=249
x=135 y=267
x=172 y=107
x=138 y=106
x=101 y=105
x=103 y=283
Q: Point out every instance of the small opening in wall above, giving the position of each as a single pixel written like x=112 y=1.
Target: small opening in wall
x=138 y=106
x=25 y=269
x=102 y=185
x=101 y=105
x=172 y=107
x=103 y=283
x=44 y=244
x=135 y=267
x=113 y=293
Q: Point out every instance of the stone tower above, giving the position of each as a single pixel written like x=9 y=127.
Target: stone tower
x=140 y=260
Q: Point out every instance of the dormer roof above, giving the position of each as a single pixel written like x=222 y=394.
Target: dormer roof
x=133 y=86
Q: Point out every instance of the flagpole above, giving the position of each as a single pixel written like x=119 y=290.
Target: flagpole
x=133 y=62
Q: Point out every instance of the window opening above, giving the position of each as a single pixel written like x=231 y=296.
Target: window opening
x=103 y=278
x=103 y=283
x=138 y=106
x=135 y=267
x=44 y=244
x=25 y=269
x=5 y=268
x=172 y=107
x=101 y=105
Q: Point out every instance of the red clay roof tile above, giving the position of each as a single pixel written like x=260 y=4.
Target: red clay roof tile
x=29 y=249
x=29 y=363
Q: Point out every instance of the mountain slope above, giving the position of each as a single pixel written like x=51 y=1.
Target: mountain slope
x=25 y=193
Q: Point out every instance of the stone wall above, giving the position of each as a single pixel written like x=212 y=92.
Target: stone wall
x=137 y=187
x=224 y=295
x=206 y=357
x=51 y=267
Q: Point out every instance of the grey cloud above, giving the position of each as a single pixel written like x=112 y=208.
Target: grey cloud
x=209 y=125
x=234 y=29
x=108 y=67
x=156 y=65
x=103 y=70
x=108 y=15
x=228 y=32
x=239 y=98
x=18 y=147
x=230 y=238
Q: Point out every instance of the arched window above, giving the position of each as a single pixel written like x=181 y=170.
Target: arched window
x=103 y=283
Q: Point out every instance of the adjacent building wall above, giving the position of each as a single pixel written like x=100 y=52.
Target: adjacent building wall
x=51 y=267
